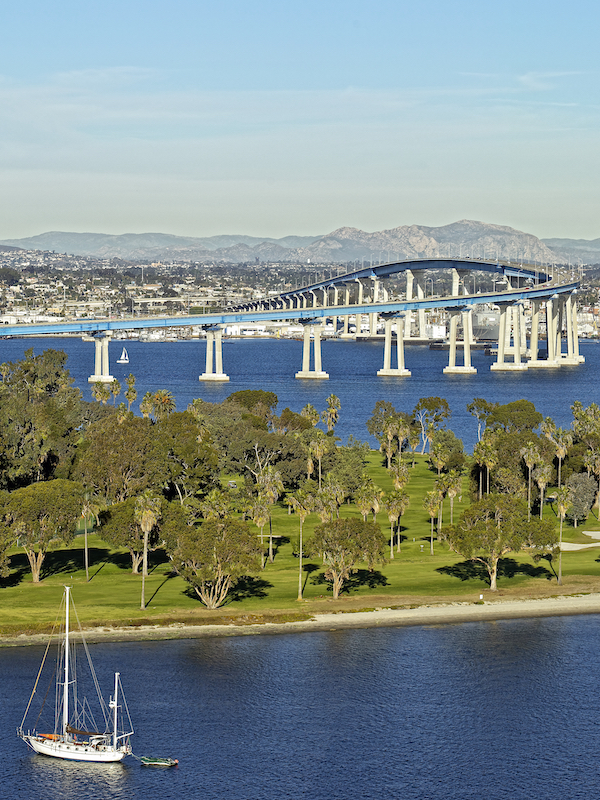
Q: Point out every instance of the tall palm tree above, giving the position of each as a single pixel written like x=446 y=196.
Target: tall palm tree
x=542 y=475
x=395 y=504
x=271 y=487
x=115 y=390
x=90 y=508
x=331 y=414
x=453 y=488
x=431 y=504
x=131 y=391
x=563 y=503
x=259 y=511
x=302 y=503
x=163 y=404
x=399 y=473
x=317 y=448
x=310 y=413
x=530 y=455
x=147 y=513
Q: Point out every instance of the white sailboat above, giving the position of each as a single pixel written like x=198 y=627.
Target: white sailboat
x=76 y=735
x=124 y=359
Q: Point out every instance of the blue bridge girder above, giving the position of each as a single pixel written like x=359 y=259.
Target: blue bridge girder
x=91 y=327
x=506 y=269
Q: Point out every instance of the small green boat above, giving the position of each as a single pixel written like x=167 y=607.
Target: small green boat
x=149 y=761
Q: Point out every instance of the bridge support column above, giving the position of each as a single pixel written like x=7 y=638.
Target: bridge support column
x=400 y=369
x=306 y=371
x=506 y=313
x=466 y=368
x=534 y=341
x=573 y=355
x=214 y=340
x=345 y=331
x=373 y=315
x=101 y=362
x=410 y=279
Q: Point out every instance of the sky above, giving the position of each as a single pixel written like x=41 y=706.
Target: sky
x=273 y=118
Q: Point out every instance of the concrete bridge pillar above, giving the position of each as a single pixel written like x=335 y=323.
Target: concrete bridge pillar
x=455 y=282
x=101 y=362
x=410 y=280
x=214 y=369
x=510 y=316
x=421 y=311
x=306 y=371
x=345 y=331
x=400 y=369
x=373 y=315
x=466 y=368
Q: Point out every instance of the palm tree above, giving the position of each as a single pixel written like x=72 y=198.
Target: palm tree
x=101 y=392
x=147 y=513
x=453 y=487
x=399 y=473
x=563 y=503
x=542 y=476
x=163 y=404
x=395 y=504
x=562 y=441
x=367 y=497
x=90 y=508
x=115 y=390
x=317 y=449
x=271 y=487
x=331 y=414
x=431 y=504
x=302 y=503
x=530 y=455
x=131 y=391
x=310 y=413
x=146 y=405
x=259 y=511
x=215 y=505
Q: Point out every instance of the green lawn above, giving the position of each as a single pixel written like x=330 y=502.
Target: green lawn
x=112 y=597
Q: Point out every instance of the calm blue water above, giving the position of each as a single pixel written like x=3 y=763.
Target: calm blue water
x=481 y=710
x=352 y=367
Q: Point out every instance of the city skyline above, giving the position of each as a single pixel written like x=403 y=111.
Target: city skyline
x=268 y=120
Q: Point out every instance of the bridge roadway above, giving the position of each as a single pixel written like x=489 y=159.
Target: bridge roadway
x=559 y=303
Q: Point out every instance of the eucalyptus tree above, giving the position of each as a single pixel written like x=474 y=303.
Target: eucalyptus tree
x=44 y=514
x=430 y=413
x=214 y=556
x=302 y=502
x=344 y=543
x=147 y=513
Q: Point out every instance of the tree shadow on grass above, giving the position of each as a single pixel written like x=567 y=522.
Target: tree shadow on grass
x=358 y=579
x=244 y=588
x=507 y=568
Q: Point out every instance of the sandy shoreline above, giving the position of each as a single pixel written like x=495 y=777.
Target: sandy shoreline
x=440 y=614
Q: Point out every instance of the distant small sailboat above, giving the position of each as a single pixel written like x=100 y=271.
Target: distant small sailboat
x=124 y=359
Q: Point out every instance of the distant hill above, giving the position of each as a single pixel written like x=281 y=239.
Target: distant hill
x=466 y=237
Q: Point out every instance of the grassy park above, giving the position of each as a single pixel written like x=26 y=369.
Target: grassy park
x=413 y=577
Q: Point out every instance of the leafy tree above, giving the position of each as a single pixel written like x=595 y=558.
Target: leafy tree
x=348 y=464
x=311 y=414
x=318 y=446
x=118 y=527
x=494 y=526
x=7 y=537
x=430 y=413
x=270 y=488
x=342 y=544
x=519 y=416
x=481 y=409
x=561 y=439
x=42 y=515
x=290 y=422
x=583 y=493
x=215 y=505
x=367 y=497
x=260 y=403
x=120 y=461
x=381 y=413
x=213 y=557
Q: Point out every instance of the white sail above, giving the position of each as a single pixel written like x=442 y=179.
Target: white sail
x=124 y=359
x=75 y=735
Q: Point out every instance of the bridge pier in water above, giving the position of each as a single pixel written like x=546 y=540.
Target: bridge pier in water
x=400 y=369
x=101 y=362
x=317 y=371
x=466 y=368
x=214 y=369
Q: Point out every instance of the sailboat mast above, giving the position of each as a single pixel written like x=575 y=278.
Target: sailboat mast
x=66 y=684
x=115 y=710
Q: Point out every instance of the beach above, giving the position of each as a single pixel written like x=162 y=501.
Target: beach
x=431 y=614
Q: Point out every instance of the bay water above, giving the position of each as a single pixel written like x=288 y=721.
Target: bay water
x=495 y=709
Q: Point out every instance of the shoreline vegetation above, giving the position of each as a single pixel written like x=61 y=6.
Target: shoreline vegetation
x=230 y=519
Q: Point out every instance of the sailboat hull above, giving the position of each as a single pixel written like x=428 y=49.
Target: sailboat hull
x=74 y=751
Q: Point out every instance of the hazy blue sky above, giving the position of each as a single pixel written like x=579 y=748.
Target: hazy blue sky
x=271 y=118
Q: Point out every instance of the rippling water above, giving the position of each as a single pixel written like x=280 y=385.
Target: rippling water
x=480 y=710
x=352 y=366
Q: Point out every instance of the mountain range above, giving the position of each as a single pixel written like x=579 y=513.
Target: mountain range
x=466 y=238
